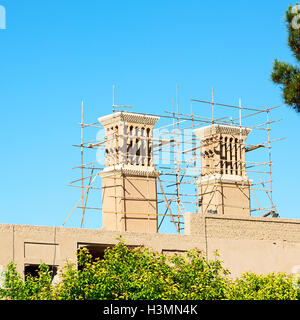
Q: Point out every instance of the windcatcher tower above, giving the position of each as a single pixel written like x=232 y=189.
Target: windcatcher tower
x=129 y=197
x=224 y=187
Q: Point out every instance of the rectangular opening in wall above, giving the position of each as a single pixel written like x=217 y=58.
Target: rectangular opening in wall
x=33 y=269
x=97 y=250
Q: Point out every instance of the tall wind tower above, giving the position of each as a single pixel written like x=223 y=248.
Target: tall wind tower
x=129 y=196
x=224 y=187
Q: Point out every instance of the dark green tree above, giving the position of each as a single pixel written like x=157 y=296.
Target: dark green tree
x=285 y=74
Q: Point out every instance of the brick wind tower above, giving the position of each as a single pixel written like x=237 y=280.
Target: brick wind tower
x=224 y=187
x=129 y=196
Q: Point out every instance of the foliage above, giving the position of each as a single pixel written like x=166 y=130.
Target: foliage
x=141 y=273
x=272 y=286
x=34 y=288
x=287 y=75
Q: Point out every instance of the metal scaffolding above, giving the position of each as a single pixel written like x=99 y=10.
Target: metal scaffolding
x=177 y=155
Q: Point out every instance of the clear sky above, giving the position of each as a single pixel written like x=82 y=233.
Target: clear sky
x=55 y=53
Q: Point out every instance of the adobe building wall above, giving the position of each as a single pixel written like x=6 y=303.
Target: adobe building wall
x=255 y=244
x=260 y=245
x=31 y=245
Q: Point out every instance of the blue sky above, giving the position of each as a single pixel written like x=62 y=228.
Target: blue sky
x=55 y=53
